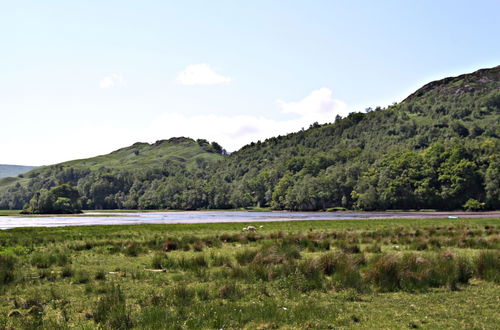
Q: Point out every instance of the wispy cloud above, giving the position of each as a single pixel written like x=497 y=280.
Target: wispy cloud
x=233 y=132
x=112 y=81
x=201 y=74
x=319 y=106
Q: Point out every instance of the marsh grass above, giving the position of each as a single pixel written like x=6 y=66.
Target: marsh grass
x=488 y=266
x=290 y=275
x=47 y=259
x=111 y=309
x=7 y=268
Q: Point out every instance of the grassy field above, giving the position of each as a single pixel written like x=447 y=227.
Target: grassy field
x=398 y=273
x=9 y=212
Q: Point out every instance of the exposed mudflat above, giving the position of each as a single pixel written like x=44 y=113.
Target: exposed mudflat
x=118 y=218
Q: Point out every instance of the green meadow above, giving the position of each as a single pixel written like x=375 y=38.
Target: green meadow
x=398 y=273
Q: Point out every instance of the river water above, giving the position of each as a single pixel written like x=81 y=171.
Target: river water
x=119 y=218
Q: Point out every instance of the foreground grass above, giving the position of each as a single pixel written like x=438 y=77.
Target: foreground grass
x=397 y=273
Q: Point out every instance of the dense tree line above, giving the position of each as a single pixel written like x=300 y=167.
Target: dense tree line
x=438 y=149
x=62 y=199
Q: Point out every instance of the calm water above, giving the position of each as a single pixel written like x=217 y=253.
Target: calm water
x=213 y=217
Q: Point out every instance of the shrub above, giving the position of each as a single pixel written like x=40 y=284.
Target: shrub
x=474 y=205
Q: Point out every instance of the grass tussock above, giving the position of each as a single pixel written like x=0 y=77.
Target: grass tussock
x=7 y=268
x=111 y=310
x=488 y=266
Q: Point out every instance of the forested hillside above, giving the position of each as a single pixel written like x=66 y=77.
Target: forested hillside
x=13 y=170
x=437 y=149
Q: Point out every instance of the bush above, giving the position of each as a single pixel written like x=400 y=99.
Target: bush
x=474 y=205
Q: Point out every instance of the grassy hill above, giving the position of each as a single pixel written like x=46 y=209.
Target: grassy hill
x=14 y=170
x=439 y=148
x=161 y=159
x=145 y=155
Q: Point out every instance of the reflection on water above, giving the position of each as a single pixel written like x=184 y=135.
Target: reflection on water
x=210 y=217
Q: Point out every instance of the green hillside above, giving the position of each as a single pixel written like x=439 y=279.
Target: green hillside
x=102 y=174
x=13 y=170
x=145 y=155
x=366 y=159
x=439 y=149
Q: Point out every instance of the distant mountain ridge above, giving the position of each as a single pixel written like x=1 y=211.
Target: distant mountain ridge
x=439 y=149
x=14 y=170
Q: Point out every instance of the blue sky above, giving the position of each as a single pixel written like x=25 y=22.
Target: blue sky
x=81 y=78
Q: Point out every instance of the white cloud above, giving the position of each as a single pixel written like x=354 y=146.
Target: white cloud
x=115 y=80
x=233 y=132
x=317 y=106
x=201 y=74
